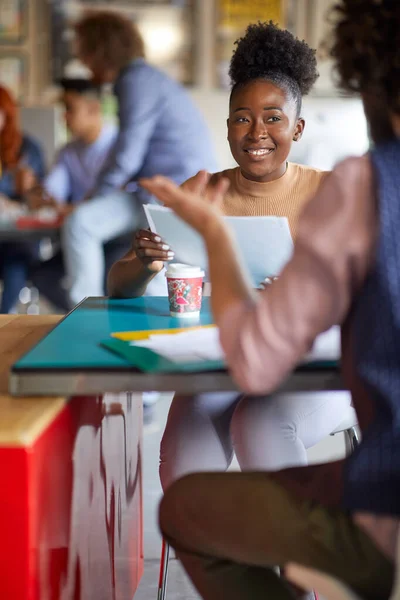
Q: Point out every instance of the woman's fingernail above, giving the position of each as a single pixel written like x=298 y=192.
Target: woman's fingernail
x=157 y=238
x=165 y=247
x=171 y=254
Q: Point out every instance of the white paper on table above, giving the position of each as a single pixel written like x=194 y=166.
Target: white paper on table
x=265 y=243
x=188 y=346
x=204 y=344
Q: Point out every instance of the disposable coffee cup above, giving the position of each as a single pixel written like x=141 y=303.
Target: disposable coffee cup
x=185 y=290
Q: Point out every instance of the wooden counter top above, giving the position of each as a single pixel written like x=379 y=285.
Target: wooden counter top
x=22 y=420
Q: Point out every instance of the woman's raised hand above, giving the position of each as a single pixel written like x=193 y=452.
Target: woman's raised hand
x=198 y=202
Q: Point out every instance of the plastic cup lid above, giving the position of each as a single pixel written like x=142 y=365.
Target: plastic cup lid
x=180 y=270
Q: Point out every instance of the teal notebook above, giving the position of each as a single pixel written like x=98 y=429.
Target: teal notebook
x=148 y=361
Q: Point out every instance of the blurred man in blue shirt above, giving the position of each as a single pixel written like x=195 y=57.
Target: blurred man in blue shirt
x=73 y=176
x=160 y=132
x=79 y=162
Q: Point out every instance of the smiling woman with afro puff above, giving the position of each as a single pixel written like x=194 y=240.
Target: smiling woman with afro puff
x=271 y=70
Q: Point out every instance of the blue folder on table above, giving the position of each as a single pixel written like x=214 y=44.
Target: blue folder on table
x=83 y=340
x=81 y=356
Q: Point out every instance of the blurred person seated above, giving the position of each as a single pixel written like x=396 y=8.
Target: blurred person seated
x=22 y=167
x=73 y=176
x=80 y=161
x=160 y=131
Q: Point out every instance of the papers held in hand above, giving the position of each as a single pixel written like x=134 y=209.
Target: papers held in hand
x=265 y=243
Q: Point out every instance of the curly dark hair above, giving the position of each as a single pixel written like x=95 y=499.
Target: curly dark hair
x=268 y=52
x=366 y=48
x=109 y=37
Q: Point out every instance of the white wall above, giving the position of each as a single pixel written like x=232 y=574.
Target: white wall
x=214 y=106
x=335 y=128
x=43 y=124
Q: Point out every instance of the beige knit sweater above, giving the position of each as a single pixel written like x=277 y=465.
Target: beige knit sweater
x=284 y=197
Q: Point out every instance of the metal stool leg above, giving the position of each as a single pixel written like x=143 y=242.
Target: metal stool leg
x=162 y=582
x=352 y=440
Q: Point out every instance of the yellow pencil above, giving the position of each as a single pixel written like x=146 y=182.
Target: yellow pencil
x=130 y=336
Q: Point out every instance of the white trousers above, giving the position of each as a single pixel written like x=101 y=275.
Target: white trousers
x=86 y=230
x=266 y=433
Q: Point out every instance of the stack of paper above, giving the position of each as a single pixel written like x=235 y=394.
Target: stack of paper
x=203 y=344
x=186 y=347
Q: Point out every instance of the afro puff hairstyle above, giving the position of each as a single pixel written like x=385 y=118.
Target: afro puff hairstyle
x=274 y=54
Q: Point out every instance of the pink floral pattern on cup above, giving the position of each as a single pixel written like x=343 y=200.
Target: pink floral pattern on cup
x=185 y=289
x=185 y=295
